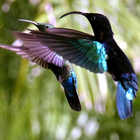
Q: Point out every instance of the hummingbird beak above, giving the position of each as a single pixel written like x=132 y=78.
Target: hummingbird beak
x=74 y=12
x=29 y=21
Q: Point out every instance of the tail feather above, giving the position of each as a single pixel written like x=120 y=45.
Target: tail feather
x=70 y=87
x=73 y=100
x=124 y=106
x=126 y=91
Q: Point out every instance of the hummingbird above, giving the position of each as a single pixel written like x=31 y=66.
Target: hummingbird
x=99 y=53
x=62 y=69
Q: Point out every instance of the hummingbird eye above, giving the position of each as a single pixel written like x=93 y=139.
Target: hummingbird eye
x=47 y=27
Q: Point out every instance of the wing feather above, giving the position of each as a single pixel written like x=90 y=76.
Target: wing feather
x=77 y=47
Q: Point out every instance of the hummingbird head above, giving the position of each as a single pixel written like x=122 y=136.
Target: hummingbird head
x=40 y=26
x=100 y=24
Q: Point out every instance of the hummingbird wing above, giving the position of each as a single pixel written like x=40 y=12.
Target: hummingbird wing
x=42 y=52
x=25 y=53
x=37 y=55
x=77 y=47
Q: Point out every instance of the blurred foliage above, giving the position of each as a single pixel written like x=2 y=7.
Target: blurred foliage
x=32 y=102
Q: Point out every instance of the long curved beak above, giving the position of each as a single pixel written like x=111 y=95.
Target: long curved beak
x=29 y=21
x=74 y=12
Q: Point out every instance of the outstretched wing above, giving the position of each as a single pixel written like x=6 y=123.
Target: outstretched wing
x=77 y=47
x=41 y=56
x=25 y=53
x=43 y=52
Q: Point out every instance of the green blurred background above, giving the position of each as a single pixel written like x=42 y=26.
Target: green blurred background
x=32 y=102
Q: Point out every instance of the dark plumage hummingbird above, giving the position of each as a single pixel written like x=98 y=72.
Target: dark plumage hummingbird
x=48 y=59
x=97 y=53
